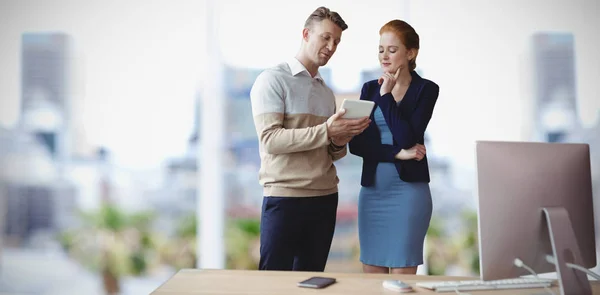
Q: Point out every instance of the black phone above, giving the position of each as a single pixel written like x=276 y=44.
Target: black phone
x=316 y=282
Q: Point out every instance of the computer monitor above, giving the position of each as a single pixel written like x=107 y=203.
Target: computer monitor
x=535 y=199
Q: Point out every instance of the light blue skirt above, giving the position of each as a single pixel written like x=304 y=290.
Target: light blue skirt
x=393 y=218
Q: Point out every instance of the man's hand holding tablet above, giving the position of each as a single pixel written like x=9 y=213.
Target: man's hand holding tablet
x=356 y=109
x=346 y=123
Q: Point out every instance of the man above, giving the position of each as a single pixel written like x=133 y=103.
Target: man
x=299 y=138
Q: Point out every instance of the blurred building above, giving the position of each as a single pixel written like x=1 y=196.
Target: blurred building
x=36 y=201
x=555 y=96
x=45 y=84
x=34 y=190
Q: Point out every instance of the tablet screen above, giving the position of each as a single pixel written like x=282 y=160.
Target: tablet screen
x=357 y=108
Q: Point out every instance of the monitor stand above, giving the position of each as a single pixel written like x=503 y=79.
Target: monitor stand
x=566 y=250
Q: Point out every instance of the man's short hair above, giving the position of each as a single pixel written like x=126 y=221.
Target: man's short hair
x=322 y=13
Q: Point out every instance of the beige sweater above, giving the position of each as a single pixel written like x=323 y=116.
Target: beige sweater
x=290 y=110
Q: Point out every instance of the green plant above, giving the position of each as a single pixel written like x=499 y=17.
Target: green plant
x=113 y=243
x=458 y=247
x=242 y=242
x=438 y=256
x=470 y=244
x=180 y=250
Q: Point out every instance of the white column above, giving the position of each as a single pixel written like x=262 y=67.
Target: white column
x=211 y=193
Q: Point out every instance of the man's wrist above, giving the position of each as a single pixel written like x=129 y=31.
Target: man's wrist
x=335 y=146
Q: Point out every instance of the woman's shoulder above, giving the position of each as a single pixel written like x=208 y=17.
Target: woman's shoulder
x=370 y=86
x=371 y=83
x=426 y=82
x=431 y=84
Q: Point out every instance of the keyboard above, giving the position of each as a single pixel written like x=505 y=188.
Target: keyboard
x=473 y=285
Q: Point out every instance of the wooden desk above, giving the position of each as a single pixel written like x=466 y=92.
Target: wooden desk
x=252 y=282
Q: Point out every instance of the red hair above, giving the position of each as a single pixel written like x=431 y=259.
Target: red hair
x=407 y=35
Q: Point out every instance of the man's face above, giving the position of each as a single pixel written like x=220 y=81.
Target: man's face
x=322 y=39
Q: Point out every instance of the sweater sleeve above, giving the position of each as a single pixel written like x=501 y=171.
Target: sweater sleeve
x=268 y=108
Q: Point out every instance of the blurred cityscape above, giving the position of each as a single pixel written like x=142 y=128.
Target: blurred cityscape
x=76 y=219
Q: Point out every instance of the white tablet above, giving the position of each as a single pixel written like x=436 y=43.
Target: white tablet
x=357 y=108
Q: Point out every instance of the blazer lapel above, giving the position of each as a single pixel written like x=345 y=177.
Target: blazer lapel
x=411 y=98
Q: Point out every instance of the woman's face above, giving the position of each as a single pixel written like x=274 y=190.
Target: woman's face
x=392 y=53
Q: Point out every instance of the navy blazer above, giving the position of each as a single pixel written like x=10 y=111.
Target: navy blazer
x=407 y=121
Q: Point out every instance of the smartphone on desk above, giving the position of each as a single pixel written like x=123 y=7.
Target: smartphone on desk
x=316 y=282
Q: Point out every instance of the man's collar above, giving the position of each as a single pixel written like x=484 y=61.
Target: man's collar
x=296 y=67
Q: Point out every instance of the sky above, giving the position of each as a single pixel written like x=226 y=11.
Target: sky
x=139 y=64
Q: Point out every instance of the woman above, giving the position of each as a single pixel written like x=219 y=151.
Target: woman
x=394 y=207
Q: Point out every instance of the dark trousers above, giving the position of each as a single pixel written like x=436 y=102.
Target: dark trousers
x=296 y=232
